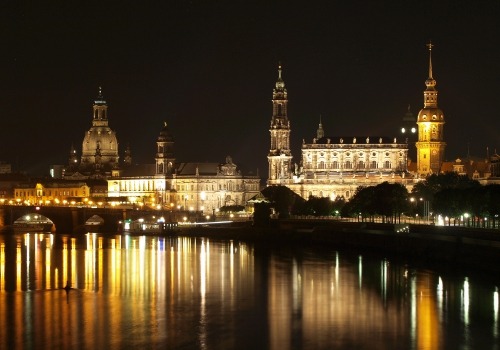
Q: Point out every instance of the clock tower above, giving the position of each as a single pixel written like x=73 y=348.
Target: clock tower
x=430 y=122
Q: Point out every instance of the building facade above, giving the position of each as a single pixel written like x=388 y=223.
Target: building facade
x=331 y=166
x=192 y=186
x=53 y=192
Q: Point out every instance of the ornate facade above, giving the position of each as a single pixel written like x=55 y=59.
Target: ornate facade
x=192 y=186
x=332 y=166
x=430 y=121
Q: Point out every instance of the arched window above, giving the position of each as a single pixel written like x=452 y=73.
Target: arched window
x=387 y=164
x=335 y=164
x=373 y=164
x=348 y=164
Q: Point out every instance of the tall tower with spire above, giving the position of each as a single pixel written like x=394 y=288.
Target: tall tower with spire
x=430 y=122
x=279 y=156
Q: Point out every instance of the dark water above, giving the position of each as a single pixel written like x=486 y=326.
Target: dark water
x=187 y=293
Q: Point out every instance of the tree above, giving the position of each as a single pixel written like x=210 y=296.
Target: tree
x=385 y=199
x=262 y=214
x=283 y=199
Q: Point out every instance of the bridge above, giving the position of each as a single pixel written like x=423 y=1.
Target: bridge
x=69 y=219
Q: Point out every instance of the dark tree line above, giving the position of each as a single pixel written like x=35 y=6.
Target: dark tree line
x=448 y=194
x=386 y=200
x=460 y=198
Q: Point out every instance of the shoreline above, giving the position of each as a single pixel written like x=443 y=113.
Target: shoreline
x=456 y=247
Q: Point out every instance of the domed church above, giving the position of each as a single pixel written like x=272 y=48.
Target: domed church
x=99 y=157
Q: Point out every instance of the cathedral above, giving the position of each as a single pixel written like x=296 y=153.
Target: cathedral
x=99 y=159
x=335 y=166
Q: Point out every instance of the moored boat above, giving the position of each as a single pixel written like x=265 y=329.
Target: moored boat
x=33 y=223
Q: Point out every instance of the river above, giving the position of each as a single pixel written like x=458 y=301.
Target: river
x=147 y=292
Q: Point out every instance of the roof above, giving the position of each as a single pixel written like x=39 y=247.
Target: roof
x=471 y=166
x=185 y=169
x=136 y=170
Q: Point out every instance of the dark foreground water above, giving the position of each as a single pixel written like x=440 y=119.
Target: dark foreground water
x=192 y=293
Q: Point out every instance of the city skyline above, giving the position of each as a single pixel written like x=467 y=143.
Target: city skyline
x=208 y=69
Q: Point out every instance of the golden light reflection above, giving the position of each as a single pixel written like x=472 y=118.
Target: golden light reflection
x=3 y=315
x=183 y=284
x=28 y=253
x=428 y=336
x=203 y=289
x=2 y=266
x=18 y=266
x=74 y=276
x=48 y=265
x=360 y=271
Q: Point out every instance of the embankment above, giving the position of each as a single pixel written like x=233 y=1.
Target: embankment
x=459 y=247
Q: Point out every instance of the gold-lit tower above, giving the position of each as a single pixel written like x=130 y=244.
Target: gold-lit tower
x=430 y=122
x=279 y=156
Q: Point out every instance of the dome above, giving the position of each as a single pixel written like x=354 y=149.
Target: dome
x=430 y=115
x=100 y=144
x=102 y=140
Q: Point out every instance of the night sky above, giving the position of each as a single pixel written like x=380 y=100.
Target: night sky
x=208 y=68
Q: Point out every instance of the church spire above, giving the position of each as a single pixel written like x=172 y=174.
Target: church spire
x=320 y=133
x=429 y=45
x=430 y=94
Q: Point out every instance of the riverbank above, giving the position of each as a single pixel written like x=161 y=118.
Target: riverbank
x=457 y=247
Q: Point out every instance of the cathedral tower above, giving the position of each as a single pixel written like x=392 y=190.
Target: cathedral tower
x=430 y=122
x=279 y=156
x=165 y=160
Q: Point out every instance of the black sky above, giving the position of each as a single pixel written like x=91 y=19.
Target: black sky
x=208 y=68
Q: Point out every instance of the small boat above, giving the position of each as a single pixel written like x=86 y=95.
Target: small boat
x=145 y=226
x=94 y=223
x=33 y=223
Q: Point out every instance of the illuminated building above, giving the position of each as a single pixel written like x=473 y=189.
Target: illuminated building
x=189 y=186
x=52 y=192
x=99 y=148
x=279 y=156
x=331 y=166
x=430 y=121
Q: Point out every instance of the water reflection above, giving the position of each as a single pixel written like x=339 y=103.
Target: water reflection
x=148 y=291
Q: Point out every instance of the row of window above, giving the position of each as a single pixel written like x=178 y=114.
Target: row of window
x=350 y=165
x=148 y=186
x=68 y=193
x=348 y=154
